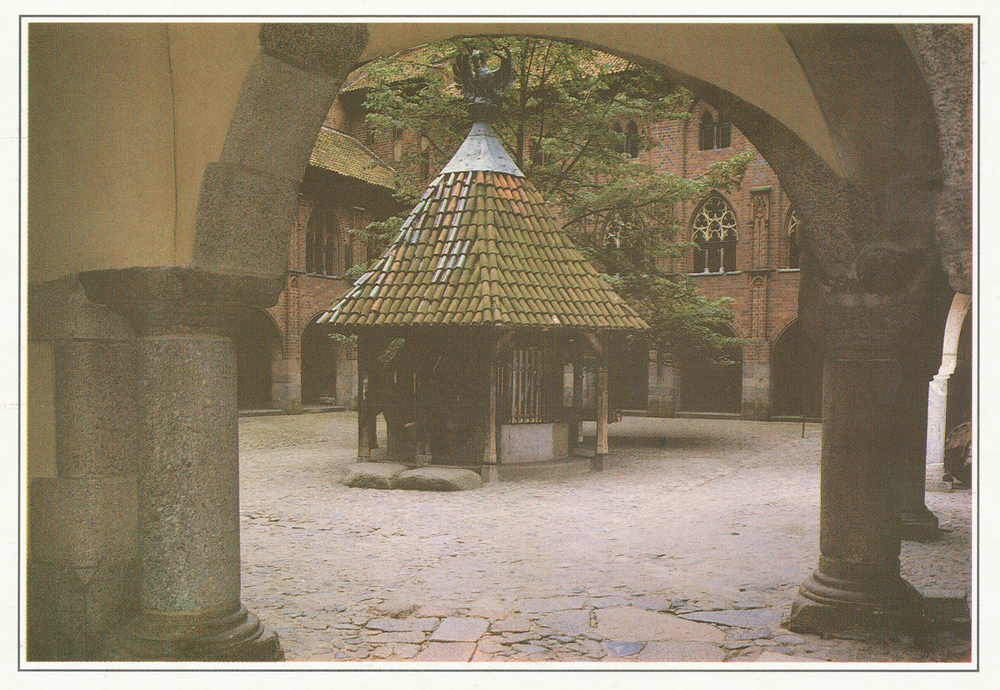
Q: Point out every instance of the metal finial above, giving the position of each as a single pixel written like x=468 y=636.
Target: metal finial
x=481 y=86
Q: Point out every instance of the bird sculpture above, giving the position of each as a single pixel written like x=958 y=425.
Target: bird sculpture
x=479 y=83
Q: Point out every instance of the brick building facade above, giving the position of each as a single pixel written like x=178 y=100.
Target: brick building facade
x=284 y=360
x=748 y=250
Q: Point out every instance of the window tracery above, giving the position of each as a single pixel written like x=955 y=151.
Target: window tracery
x=714 y=233
x=323 y=243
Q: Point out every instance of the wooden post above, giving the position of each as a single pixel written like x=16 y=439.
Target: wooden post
x=491 y=465
x=364 y=440
x=490 y=469
x=576 y=431
x=601 y=446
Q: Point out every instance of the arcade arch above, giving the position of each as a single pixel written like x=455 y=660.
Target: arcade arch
x=797 y=374
x=866 y=187
x=258 y=352
x=708 y=387
x=320 y=358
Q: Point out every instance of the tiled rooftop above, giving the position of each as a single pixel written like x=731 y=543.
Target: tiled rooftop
x=482 y=248
x=345 y=155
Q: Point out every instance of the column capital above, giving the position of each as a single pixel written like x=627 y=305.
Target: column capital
x=180 y=300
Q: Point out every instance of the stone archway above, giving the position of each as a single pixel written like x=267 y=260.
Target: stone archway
x=867 y=263
x=258 y=349
x=797 y=367
x=868 y=258
x=319 y=366
x=708 y=387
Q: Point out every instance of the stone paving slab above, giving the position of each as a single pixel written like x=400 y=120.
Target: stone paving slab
x=460 y=630
x=629 y=623
x=572 y=621
x=414 y=637
x=694 y=652
x=778 y=658
x=619 y=648
x=751 y=618
x=447 y=651
x=511 y=624
x=403 y=624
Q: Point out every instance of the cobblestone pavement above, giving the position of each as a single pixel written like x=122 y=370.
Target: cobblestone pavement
x=688 y=547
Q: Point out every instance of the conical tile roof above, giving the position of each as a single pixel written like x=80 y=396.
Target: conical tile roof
x=481 y=248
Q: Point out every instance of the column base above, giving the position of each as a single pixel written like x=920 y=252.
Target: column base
x=870 y=607
x=491 y=474
x=239 y=636
x=919 y=524
x=597 y=462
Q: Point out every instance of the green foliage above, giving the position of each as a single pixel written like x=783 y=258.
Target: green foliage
x=557 y=123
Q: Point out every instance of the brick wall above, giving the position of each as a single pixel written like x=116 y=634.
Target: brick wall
x=762 y=245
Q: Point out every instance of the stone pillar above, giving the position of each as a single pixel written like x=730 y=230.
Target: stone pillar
x=937 y=397
x=662 y=386
x=917 y=522
x=755 y=395
x=82 y=498
x=286 y=387
x=188 y=514
x=857 y=585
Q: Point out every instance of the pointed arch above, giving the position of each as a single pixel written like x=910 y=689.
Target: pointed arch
x=714 y=231
x=323 y=243
x=259 y=347
x=797 y=374
x=706 y=131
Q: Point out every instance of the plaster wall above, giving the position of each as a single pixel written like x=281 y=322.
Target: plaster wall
x=41 y=412
x=533 y=442
x=122 y=120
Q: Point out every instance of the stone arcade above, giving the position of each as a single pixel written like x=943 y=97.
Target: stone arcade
x=160 y=200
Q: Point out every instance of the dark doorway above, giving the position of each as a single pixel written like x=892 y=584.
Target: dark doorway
x=319 y=366
x=628 y=378
x=797 y=375
x=709 y=387
x=256 y=343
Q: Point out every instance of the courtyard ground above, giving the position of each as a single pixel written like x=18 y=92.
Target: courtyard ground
x=687 y=548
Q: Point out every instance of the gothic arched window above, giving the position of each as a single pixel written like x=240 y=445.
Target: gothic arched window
x=632 y=139
x=706 y=132
x=714 y=231
x=723 y=133
x=794 y=240
x=714 y=134
x=323 y=243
